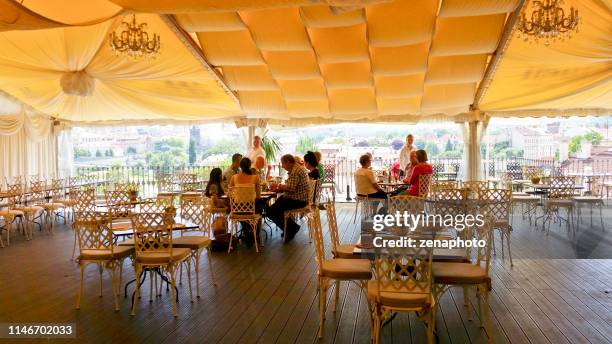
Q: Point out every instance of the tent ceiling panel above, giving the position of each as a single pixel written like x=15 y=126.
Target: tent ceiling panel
x=262 y=102
x=249 y=78
x=572 y=77
x=321 y=17
x=467 y=35
x=303 y=90
x=462 y=8
x=360 y=57
x=399 y=86
x=210 y=22
x=456 y=69
x=401 y=22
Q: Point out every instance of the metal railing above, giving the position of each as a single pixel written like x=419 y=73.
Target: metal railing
x=344 y=169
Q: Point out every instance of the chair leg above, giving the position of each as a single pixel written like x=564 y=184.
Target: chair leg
x=138 y=271
x=80 y=292
x=254 y=228
x=189 y=279
x=120 y=277
x=487 y=320
x=113 y=271
x=171 y=271
x=322 y=299
x=356 y=210
x=509 y=251
x=232 y=231
x=101 y=269
x=336 y=294
x=431 y=325
x=600 y=218
x=466 y=302
x=151 y=282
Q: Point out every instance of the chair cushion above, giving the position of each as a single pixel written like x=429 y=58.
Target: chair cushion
x=31 y=209
x=52 y=205
x=346 y=269
x=192 y=242
x=127 y=242
x=398 y=298
x=121 y=224
x=163 y=257
x=345 y=251
x=458 y=273
x=117 y=253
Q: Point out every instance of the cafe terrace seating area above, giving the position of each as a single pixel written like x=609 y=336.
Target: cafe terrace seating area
x=129 y=263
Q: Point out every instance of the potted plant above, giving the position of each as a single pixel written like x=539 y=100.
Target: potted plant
x=133 y=192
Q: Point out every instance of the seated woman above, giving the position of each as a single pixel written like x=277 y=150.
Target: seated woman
x=422 y=167
x=246 y=177
x=365 y=181
x=214 y=190
x=312 y=165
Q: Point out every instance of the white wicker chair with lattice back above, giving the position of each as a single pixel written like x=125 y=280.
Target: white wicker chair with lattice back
x=560 y=197
x=120 y=205
x=242 y=209
x=194 y=208
x=59 y=195
x=334 y=270
x=470 y=274
x=95 y=240
x=30 y=207
x=338 y=249
x=595 y=198
x=314 y=195
x=498 y=204
x=154 y=248
x=328 y=181
x=424 y=185
x=403 y=282
x=39 y=198
x=84 y=200
x=368 y=204
x=11 y=212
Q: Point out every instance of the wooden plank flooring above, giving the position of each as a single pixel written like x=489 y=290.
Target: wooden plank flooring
x=559 y=291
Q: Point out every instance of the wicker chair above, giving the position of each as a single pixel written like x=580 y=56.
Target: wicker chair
x=314 y=194
x=242 y=205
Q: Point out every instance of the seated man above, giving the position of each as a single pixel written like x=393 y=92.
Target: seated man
x=295 y=195
x=365 y=181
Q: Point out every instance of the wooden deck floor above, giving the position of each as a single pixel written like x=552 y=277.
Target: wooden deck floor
x=549 y=296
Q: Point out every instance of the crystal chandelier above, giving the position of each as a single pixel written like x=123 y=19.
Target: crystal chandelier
x=134 y=40
x=548 y=22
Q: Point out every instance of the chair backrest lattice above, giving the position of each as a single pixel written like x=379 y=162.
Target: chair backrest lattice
x=562 y=187
x=329 y=173
x=195 y=209
x=83 y=199
x=406 y=203
x=498 y=203
x=58 y=189
x=152 y=232
x=14 y=194
x=126 y=187
x=92 y=230
x=597 y=183
x=403 y=270
x=424 y=183
x=165 y=182
x=448 y=201
x=314 y=192
x=478 y=186
x=154 y=205
x=317 y=234
x=330 y=210
x=242 y=199
x=532 y=171
x=484 y=233
x=505 y=180
x=188 y=178
x=119 y=203
x=37 y=191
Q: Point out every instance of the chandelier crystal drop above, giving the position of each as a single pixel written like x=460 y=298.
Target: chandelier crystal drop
x=134 y=41
x=548 y=22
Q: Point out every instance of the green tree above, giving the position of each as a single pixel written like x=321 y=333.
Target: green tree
x=305 y=144
x=81 y=152
x=449 y=146
x=131 y=150
x=594 y=137
x=575 y=143
x=98 y=153
x=168 y=153
x=192 y=152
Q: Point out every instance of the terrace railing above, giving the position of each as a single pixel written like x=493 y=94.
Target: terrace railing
x=146 y=176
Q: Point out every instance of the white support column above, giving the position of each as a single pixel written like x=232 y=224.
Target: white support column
x=473 y=133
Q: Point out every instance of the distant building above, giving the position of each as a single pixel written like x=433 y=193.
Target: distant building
x=535 y=144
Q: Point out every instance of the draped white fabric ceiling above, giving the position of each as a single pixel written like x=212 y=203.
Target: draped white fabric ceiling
x=299 y=61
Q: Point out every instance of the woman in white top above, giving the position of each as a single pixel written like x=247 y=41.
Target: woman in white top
x=365 y=181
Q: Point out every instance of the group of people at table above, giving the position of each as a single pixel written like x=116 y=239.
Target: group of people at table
x=412 y=163
x=251 y=170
